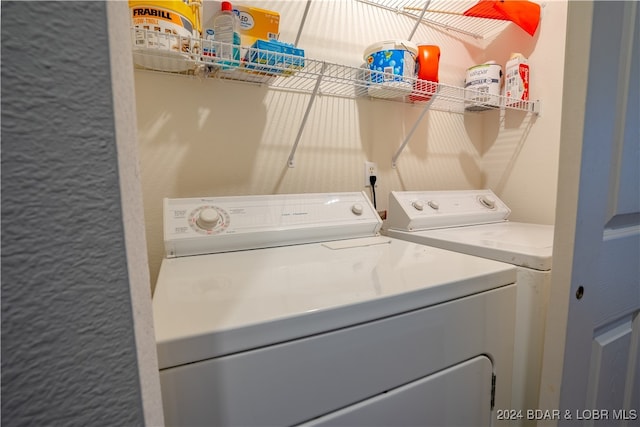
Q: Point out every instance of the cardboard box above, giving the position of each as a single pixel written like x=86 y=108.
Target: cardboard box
x=257 y=24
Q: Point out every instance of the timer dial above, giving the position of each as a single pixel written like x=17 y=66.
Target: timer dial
x=209 y=220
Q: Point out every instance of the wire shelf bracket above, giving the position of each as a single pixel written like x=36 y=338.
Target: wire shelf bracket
x=314 y=93
x=395 y=157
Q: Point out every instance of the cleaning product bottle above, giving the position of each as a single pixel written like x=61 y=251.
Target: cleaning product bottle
x=226 y=26
x=516 y=87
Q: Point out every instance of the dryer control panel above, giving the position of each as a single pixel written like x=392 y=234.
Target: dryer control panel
x=194 y=226
x=422 y=210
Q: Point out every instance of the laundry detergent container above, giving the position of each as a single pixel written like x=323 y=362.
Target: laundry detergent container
x=166 y=33
x=392 y=68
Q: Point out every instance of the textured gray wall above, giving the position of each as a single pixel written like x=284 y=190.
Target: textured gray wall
x=68 y=349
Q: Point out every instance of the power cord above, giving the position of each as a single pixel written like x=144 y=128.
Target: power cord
x=372 y=181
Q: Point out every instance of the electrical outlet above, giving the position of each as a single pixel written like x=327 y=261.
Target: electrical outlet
x=370 y=169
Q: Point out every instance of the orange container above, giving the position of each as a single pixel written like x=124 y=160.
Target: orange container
x=427 y=64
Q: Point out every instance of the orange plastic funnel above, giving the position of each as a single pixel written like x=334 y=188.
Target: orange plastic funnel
x=524 y=14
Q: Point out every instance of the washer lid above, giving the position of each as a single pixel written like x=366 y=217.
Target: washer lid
x=211 y=305
x=521 y=244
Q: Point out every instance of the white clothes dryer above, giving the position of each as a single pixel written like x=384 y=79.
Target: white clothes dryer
x=293 y=310
x=476 y=223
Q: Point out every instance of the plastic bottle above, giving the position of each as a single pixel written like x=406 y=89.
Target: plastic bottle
x=226 y=30
x=516 y=86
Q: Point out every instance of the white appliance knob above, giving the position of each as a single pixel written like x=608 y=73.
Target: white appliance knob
x=487 y=202
x=418 y=205
x=357 y=209
x=433 y=204
x=208 y=219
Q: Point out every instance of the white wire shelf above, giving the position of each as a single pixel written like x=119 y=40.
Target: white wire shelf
x=174 y=54
x=445 y=14
x=158 y=52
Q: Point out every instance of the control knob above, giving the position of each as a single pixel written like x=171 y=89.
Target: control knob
x=487 y=202
x=433 y=205
x=208 y=218
x=418 y=205
x=357 y=209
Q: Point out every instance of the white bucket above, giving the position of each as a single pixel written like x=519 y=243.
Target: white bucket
x=393 y=68
x=482 y=86
x=166 y=33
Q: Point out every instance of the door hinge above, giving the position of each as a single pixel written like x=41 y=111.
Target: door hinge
x=493 y=390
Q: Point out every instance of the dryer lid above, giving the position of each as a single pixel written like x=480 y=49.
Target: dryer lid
x=521 y=244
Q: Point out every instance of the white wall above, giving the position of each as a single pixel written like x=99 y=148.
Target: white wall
x=209 y=137
x=520 y=152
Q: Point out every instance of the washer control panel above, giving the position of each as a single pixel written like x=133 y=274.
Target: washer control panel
x=421 y=210
x=195 y=226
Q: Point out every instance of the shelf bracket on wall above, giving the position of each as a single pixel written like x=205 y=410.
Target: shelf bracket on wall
x=302 y=22
x=419 y=20
x=394 y=159
x=306 y=115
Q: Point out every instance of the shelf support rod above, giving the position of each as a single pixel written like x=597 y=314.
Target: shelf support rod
x=419 y=20
x=306 y=115
x=394 y=159
x=302 y=22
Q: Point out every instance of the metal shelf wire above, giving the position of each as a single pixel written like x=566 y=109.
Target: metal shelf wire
x=445 y=14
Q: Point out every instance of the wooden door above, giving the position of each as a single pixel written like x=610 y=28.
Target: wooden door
x=591 y=371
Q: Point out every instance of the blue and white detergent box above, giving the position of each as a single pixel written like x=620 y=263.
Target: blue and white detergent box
x=274 y=57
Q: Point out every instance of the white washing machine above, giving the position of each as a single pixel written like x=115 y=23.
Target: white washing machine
x=293 y=310
x=476 y=223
